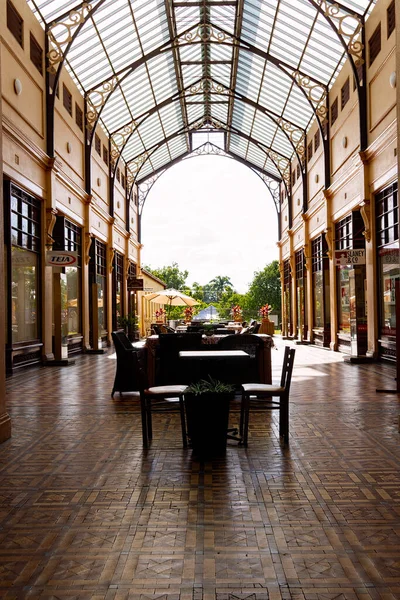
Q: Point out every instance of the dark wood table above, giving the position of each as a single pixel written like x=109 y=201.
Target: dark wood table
x=224 y=365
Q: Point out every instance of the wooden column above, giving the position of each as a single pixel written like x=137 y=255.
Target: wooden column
x=5 y=421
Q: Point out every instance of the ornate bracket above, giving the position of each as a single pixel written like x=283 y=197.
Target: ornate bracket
x=111 y=254
x=329 y=241
x=365 y=213
x=61 y=34
x=96 y=99
x=349 y=27
x=205 y=32
x=88 y=243
x=145 y=186
x=316 y=93
x=51 y=215
x=296 y=135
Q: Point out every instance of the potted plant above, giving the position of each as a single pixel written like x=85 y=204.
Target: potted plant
x=160 y=315
x=236 y=313
x=130 y=324
x=267 y=326
x=207 y=414
x=188 y=312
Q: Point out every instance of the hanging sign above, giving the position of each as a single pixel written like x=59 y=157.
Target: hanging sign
x=349 y=257
x=61 y=258
x=134 y=284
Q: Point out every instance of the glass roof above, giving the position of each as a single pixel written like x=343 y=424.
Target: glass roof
x=154 y=72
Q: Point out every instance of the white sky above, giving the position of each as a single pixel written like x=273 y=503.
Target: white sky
x=213 y=216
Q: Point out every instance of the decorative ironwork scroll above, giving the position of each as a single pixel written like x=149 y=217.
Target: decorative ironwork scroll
x=61 y=34
x=145 y=186
x=97 y=98
x=205 y=32
x=296 y=135
x=207 y=85
x=315 y=92
x=349 y=27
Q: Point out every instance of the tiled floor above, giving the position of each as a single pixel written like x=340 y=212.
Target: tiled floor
x=86 y=513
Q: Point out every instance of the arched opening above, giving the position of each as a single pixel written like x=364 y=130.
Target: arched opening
x=213 y=216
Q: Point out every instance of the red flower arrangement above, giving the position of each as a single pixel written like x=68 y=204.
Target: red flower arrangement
x=188 y=312
x=236 y=311
x=160 y=313
x=265 y=310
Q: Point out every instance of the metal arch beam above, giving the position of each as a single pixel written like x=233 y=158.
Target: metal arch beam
x=235 y=58
x=151 y=180
x=286 y=126
x=302 y=80
x=272 y=155
x=55 y=53
x=355 y=50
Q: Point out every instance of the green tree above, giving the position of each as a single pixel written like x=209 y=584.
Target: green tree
x=265 y=288
x=171 y=275
x=221 y=284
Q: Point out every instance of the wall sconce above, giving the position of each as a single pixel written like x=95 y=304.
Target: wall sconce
x=17 y=87
x=99 y=181
x=316 y=178
x=69 y=147
x=118 y=204
x=298 y=202
x=344 y=142
x=392 y=79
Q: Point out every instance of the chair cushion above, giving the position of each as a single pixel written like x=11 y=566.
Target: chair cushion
x=163 y=390
x=262 y=388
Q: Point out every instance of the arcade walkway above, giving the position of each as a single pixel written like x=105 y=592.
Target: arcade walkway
x=85 y=513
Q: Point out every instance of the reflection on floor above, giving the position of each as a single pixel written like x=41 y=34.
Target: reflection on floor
x=85 y=513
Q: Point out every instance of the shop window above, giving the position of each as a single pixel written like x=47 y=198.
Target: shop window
x=118 y=278
x=67 y=99
x=97 y=144
x=36 y=54
x=345 y=93
x=101 y=280
x=374 y=44
x=391 y=18
x=343 y=237
x=105 y=155
x=293 y=177
x=318 y=281
x=15 y=23
x=123 y=180
x=118 y=175
x=317 y=140
x=334 y=111
x=388 y=259
x=298 y=171
x=79 y=116
x=309 y=151
x=25 y=216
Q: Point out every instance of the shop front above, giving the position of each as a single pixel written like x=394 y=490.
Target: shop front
x=320 y=285
x=352 y=331
x=98 y=294
x=388 y=268
x=22 y=216
x=68 y=237
x=301 y=306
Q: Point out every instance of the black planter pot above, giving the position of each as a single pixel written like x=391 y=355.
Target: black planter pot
x=207 y=418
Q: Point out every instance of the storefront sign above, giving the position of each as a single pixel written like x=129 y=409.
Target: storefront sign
x=61 y=258
x=349 y=257
x=134 y=284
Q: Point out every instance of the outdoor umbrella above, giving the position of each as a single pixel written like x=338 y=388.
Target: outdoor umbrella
x=171 y=297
